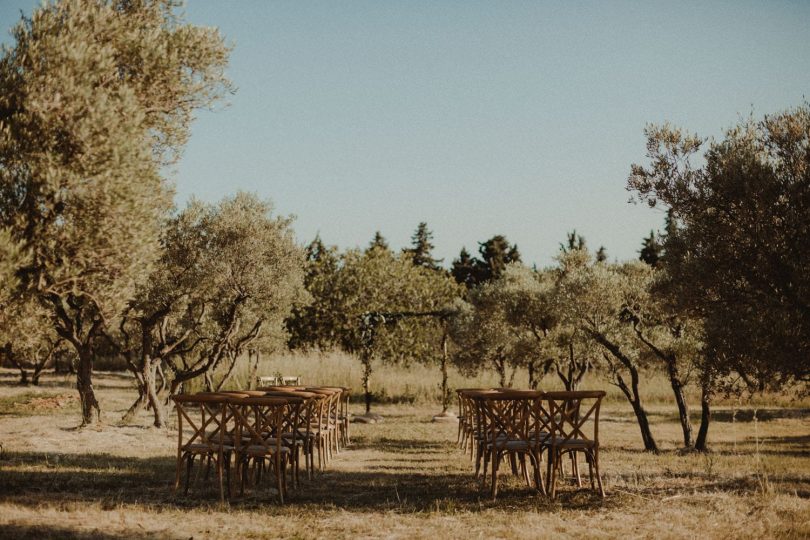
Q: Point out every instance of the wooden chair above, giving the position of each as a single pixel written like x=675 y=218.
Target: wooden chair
x=465 y=418
x=325 y=426
x=260 y=422
x=574 y=421
x=512 y=432
x=299 y=437
x=479 y=437
x=201 y=432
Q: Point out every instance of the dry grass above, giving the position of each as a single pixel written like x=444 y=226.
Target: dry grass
x=403 y=478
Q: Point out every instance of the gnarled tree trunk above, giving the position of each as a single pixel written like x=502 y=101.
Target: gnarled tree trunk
x=680 y=399
x=631 y=391
x=91 y=410
x=701 y=443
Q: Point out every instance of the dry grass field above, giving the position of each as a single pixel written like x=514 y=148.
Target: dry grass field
x=403 y=478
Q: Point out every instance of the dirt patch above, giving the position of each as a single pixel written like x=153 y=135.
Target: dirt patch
x=46 y=403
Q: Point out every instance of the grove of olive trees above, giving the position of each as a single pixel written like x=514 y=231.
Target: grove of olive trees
x=97 y=97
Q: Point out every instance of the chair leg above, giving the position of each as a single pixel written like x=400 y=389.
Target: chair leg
x=178 y=468
x=538 y=472
x=496 y=457
x=575 y=468
x=552 y=478
x=228 y=474
x=189 y=463
x=525 y=470
x=513 y=463
x=598 y=475
x=280 y=473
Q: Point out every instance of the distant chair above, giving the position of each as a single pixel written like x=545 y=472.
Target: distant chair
x=278 y=380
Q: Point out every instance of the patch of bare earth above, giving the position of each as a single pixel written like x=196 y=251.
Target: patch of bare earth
x=402 y=478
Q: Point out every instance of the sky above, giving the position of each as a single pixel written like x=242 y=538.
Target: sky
x=479 y=118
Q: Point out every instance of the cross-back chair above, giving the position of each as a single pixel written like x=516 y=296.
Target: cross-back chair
x=513 y=430
x=260 y=422
x=202 y=428
x=574 y=421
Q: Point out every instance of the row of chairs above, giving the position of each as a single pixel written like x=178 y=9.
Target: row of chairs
x=260 y=432
x=523 y=425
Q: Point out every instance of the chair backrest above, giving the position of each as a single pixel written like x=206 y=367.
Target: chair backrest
x=510 y=416
x=201 y=419
x=260 y=420
x=574 y=415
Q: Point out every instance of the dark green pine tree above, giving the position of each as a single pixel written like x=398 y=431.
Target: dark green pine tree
x=378 y=242
x=464 y=269
x=601 y=254
x=422 y=248
x=496 y=253
x=650 y=250
x=574 y=241
x=310 y=325
x=670 y=224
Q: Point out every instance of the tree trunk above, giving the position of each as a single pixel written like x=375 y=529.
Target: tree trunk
x=683 y=407
x=445 y=388
x=641 y=414
x=37 y=372
x=366 y=359
x=8 y=352
x=500 y=368
x=701 y=444
x=135 y=408
x=532 y=381
x=233 y=357
x=149 y=377
x=630 y=392
x=91 y=410
x=254 y=367
x=140 y=401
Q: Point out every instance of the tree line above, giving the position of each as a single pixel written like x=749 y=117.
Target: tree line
x=97 y=101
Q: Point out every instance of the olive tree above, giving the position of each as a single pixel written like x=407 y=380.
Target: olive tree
x=596 y=297
x=28 y=341
x=257 y=274
x=527 y=301
x=484 y=335
x=736 y=250
x=738 y=253
x=669 y=337
x=226 y=280
x=374 y=282
x=95 y=98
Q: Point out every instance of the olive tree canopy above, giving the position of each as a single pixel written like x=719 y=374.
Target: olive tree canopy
x=739 y=252
x=95 y=97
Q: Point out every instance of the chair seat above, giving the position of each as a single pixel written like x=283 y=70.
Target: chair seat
x=202 y=448
x=560 y=442
x=513 y=445
x=259 y=450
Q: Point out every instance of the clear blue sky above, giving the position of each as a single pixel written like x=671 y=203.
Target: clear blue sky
x=480 y=118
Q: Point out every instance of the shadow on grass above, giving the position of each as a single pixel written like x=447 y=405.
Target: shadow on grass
x=39 y=532
x=35 y=479
x=763 y=415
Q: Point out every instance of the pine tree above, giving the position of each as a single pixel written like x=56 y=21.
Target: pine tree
x=650 y=251
x=464 y=268
x=378 y=242
x=422 y=248
x=601 y=254
x=496 y=253
x=574 y=242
